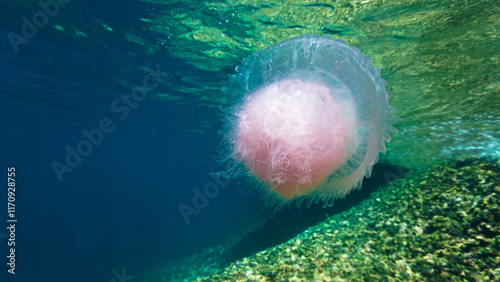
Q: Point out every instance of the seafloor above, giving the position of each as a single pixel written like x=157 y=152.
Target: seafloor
x=438 y=224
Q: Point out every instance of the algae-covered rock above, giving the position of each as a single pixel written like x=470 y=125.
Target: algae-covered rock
x=438 y=224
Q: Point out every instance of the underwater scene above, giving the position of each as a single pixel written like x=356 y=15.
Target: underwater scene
x=246 y=140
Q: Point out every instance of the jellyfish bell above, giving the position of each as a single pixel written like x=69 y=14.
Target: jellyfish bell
x=310 y=118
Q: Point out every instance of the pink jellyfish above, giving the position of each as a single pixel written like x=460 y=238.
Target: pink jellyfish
x=310 y=119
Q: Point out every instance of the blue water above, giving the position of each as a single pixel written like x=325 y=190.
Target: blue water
x=129 y=203
x=118 y=207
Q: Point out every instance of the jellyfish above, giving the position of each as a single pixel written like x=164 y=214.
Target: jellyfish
x=309 y=119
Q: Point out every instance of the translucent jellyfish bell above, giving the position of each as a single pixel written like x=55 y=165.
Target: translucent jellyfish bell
x=311 y=118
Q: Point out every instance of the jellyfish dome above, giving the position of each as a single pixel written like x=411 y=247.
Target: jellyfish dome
x=311 y=115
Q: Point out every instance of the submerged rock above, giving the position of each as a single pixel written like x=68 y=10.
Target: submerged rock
x=440 y=223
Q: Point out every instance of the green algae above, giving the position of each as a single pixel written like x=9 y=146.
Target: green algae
x=438 y=224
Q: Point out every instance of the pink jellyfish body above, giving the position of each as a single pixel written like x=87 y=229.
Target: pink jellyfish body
x=310 y=120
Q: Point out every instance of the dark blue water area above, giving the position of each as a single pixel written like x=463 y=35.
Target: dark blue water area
x=117 y=207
